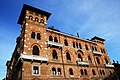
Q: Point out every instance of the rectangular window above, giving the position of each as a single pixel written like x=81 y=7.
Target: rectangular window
x=35 y=70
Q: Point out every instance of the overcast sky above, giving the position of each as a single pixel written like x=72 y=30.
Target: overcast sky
x=87 y=17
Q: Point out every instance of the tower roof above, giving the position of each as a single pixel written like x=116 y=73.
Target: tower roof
x=98 y=38
x=27 y=7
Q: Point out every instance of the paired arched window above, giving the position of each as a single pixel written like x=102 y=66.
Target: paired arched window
x=93 y=72
x=55 y=39
x=54 y=54
x=95 y=49
x=83 y=72
x=98 y=61
x=100 y=72
x=30 y=17
x=103 y=72
x=71 y=71
x=68 y=56
x=36 y=19
x=86 y=47
x=58 y=72
x=33 y=35
x=35 y=50
x=79 y=57
x=65 y=42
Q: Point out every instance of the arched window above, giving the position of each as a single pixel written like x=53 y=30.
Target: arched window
x=33 y=35
x=80 y=46
x=54 y=54
x=38 y=36
x=68 y=56
x=103 y=72
x=106 y=61
x=98 y=61
x=55 y=39
x=93 y=72
x=35 y=50
x=104 y=51
x=86 y=47
x=74 y=44
x=36 y=19
x=53 y=71
x=110 y=72
x=71 y=71
x=59 y=71
x=42 y=21
x=85 y=71
x=100 y=72
x=92 y=48
x=89 y=59
x=30 y=17
x=82 y=73
x=50 y=38
x=79 y=57
x=65 y=42
x=95 y=49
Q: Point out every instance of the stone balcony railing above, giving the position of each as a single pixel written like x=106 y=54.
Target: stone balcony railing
x=96 y=52
x=54 y=43
x=80 y=62
x=72 y=76
x=33 y=57
x=109 y=65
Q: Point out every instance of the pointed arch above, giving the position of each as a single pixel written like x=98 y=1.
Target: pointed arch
x=35 y=50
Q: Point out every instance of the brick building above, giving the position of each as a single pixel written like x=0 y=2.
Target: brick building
x=47 y=53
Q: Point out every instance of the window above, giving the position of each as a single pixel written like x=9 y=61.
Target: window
x=55 y=39
x=104 y=51
x=42 y=21
x=30 y=17
x=98 y=61
x=103 y=72
x=80 y=46
x=95 y=49
x=89 y=59
x=81 y=72
x=36 y=19
x=53 y=71
x=71 y=71
x=54 y=54
x=33 y=35
x=106 y=61
x=110 y=72
x=35 y=69
x=85 y=72
x=35 y=50
x=59 y=71
x=38 y=36
x=68 y=56
x=86 y=47
x=79 y=57
x=50 y=38
x=74 y=44
x=65 y=42
x=92 y=48
x=93 y=72
x=100 y=72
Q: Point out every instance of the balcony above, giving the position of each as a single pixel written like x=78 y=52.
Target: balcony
x=54 y=43
x=33 y=57
x=109 y=65
x=97 y=53
x=83 y=63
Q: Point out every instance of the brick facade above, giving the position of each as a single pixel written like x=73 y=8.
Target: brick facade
x=46 y=53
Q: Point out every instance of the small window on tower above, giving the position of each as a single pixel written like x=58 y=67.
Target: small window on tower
x=33 y=35
x=86 y=47
x=36 y=19
x=65 y=42
x=35 y=70
x=42 y=21
x=30 y=17
x=38 y=36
